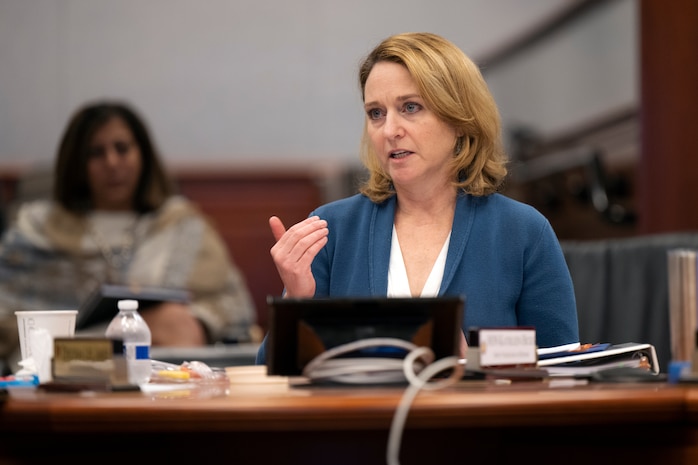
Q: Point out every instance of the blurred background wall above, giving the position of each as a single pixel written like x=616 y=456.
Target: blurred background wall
x=235 y=80
x=597 y=97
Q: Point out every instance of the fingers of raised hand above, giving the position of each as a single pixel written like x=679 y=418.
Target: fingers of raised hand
x=277 y=227
x=302 y=239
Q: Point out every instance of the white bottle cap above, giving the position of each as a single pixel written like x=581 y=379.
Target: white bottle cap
x=128 y=305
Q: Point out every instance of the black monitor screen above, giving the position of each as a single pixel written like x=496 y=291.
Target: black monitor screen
x=301 y=329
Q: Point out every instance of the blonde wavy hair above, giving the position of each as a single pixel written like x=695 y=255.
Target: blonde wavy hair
x=454 y=89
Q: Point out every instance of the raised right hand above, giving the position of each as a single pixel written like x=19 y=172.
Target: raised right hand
x=294 y=252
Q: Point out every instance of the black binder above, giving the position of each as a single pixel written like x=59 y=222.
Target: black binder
x=587 y=362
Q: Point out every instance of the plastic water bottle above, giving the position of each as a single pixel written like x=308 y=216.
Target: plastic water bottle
x=129 y=326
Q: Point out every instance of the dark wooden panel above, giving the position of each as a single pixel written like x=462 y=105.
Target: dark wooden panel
x=651 y=423
x=240 y=202
x=669 y=97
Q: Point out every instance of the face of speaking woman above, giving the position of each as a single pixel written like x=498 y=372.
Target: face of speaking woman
x=114 y=166
x=413 y=145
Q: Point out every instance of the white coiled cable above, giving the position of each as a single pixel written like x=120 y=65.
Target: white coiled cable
x=416 y=368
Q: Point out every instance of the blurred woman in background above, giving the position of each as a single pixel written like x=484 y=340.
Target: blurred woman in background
x=115 y=218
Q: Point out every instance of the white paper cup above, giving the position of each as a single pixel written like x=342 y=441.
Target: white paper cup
x=37 y=328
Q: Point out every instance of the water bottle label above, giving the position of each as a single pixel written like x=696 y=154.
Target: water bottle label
x=142 y=352
x=136 y=352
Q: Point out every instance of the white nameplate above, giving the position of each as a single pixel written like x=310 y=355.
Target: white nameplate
x=507 y=347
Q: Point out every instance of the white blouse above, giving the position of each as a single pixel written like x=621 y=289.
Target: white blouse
x=399 y=286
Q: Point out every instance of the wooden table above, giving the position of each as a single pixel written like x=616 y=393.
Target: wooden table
x=278 y=423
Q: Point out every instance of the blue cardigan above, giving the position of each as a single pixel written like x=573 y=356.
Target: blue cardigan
x=503 y=256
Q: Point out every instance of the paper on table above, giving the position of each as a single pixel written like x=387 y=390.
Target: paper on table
x=582 y=349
